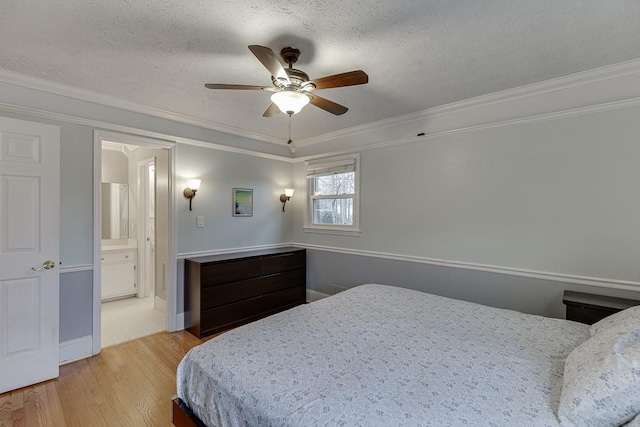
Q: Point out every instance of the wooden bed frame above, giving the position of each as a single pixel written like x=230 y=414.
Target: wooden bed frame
x=182 y=415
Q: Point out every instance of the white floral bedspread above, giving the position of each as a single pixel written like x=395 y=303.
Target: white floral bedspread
x=377 y=355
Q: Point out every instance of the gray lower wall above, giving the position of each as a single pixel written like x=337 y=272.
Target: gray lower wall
x=76 y=309
x=528 y=295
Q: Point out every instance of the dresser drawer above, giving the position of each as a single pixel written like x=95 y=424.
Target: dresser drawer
x=225 y=272
x=588 y=315
x=283 y=262
x=129 y=256
x=278 y=281
x=285 y=298
x=243 y=311
x=590 y=308
x=214 y=296
x=225 y=316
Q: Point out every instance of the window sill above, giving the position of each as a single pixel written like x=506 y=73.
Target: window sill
x=331 y=231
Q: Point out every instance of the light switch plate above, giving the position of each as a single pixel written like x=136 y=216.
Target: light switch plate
x=200 y=222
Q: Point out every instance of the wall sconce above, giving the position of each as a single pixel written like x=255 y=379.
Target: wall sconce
x=286 y=196
x=190 y=192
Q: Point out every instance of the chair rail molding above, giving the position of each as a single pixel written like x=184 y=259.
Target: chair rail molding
x=627 y=285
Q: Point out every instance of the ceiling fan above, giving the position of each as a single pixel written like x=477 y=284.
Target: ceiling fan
x=292 y=87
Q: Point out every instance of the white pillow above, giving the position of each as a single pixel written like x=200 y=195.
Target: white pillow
x=634 y=422
x=628 y=319
x=602 y=381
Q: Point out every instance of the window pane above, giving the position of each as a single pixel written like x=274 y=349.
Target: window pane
x=333 y=211
x=339 y=183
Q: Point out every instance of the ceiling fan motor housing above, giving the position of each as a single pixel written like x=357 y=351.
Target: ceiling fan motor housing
x=290 y=55
x=299 y=80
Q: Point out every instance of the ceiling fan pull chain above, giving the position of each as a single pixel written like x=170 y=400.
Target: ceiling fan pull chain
x=290 y=143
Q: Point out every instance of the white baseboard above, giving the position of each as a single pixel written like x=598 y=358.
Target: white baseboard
x=315 y=295
x=160 y=304
x=180 y=322
x=76 y=349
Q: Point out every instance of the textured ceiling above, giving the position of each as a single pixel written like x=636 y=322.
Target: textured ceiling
x=418 y=53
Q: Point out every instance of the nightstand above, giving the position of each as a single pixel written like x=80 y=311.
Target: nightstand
x=589 y=308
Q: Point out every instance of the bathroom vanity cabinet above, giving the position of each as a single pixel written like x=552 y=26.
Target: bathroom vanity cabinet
x=119 y=272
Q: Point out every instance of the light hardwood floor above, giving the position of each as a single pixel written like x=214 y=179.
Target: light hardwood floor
x=129 y=384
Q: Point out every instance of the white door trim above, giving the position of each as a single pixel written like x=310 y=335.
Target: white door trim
x=143 y=203
x=98 y=137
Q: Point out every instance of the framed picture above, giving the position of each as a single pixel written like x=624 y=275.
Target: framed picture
x=242 y=202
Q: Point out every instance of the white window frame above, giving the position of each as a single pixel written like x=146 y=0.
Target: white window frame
x=328 y=163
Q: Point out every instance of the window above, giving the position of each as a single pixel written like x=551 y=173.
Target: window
x=332 y=204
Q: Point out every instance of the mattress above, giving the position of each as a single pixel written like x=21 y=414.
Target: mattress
x=382 y=355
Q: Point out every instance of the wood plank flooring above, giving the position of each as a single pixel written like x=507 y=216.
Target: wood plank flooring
x=130 y=384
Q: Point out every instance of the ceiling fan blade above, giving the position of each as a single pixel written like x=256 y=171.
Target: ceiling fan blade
x=271 y=111
x=350 y=78
x=269 y=59
x=327 y=105
x=240 y=87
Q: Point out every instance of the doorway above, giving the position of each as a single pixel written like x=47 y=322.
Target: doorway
x=134 y=283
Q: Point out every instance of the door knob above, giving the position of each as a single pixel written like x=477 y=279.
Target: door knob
x=45 y=265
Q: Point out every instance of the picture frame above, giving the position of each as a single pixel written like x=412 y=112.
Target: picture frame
x=242 y=202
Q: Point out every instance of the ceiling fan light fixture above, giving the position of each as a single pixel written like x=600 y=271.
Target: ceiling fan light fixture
x=289 y=101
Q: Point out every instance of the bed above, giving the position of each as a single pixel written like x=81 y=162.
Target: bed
x=382 y=355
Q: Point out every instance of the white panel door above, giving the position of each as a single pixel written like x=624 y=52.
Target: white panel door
x=29 y=236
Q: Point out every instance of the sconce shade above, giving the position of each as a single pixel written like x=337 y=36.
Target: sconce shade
x=190 y=192
x=289 y=102
x=286 y=196
x=194 y=184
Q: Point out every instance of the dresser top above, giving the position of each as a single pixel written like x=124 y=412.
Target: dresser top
x=597 y=301
x=247 y=254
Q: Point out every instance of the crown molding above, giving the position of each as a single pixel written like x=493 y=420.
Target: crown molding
x=35 y=83
x=113 y=146
x=100 y=125
x=548 y=100
x=590 y=77
x=609 y=106
x=119 y=147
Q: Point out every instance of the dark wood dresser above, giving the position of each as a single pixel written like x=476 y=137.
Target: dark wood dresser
x=589 y=308
x=225 y=291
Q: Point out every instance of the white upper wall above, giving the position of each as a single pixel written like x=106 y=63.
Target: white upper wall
x=115 y=167
x=558 y=196
x=539 y=169
x=220 y=172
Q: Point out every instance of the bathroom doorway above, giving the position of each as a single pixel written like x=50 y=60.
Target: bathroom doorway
x=133 y=258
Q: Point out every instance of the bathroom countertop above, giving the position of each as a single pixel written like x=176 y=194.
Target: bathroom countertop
x=111 y=248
